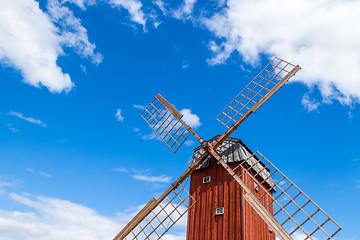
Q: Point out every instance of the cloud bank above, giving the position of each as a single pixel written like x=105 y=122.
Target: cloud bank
x=321 y=36
x=57 y=219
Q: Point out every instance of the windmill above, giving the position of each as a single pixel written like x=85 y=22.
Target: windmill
x=283 y=208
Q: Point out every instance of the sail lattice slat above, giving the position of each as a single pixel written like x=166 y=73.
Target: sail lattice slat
x=165 y=125
x=261 y=85
x=157 y=223
x=300 y=216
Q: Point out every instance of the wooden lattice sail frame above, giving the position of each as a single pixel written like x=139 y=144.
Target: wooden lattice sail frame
x=293 y=209
x=167 y=122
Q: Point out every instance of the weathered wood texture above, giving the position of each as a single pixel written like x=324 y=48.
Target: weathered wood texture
x=223 y=191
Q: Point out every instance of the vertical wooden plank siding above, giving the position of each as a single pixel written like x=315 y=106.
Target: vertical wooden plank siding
x=223 y=191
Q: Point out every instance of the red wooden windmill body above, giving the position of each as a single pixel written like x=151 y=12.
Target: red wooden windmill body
x=220 y=210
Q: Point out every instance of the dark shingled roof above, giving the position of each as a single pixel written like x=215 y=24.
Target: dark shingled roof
x=233 y=150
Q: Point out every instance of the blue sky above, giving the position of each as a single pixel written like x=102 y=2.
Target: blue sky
x=77 y=158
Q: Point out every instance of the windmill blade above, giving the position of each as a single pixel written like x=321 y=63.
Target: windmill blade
x=300 y=216
x=159 y=215
x=167 y=123
x=255 y=94
x=156 y=218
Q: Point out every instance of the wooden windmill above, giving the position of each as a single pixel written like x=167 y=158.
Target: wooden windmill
x=257 y=200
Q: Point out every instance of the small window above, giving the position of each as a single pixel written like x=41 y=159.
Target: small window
x=219 y=211
x=256 y=186
x=206 y=179
x=270 y=230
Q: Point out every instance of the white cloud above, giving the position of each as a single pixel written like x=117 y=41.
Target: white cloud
x=29 y=43
x=139 y=106
x=83 y=68
x=137 y=130
x=12 y=129
x=118 y=115
x=309 y=105
x=122 y=170
x=173 y=237
x=134 y=9
x=161 y=6
x=82 y=3
x=300 y=235
x=321 y=36
x=55 y=219
x=41 y=173
x=151 y=136
x=48 y=175
x=72 y=34
x=29 y=119
x=185 y=10
x=152 y=179
x=191 y=119
x=189 y=143
x=52 y=218
x=5 y=184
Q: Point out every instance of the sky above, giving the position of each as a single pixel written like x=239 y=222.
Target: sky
x=77 y=159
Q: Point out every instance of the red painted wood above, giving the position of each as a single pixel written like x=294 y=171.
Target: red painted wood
x=223 y=191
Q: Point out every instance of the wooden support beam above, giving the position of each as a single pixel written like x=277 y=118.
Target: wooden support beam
x=253 y=200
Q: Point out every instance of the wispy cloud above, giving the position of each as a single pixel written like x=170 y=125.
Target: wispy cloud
x=185 y=10
x=48 y=175
x=12 y=129
x=189 y=143
x=8 y=183
x=136 y=129
x=83 y=68
x=151 y=136
x=134 y=9
x=139 y=106
x=29 y=119
x=72 y=33
x=152 y=179
x=118 y=115
x=122 y=170
x=41 y=173
x=309 y=105
x=161 y=5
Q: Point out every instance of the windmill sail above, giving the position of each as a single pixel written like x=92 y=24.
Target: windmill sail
x=160 y=216
x=255 y=94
